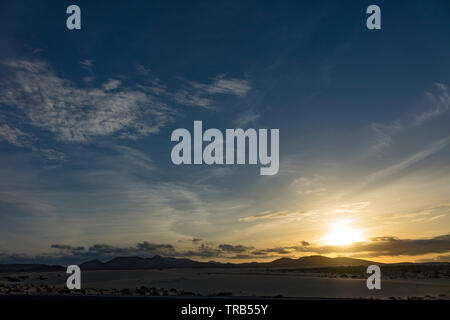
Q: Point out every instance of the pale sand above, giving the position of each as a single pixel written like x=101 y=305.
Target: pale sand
x=241 y=282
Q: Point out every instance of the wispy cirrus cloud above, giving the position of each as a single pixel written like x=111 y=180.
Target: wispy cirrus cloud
x=13 y=135
x=220 y=85
x=87 y=64
x=184 y=97
x=275 y=215
x=201 y=94
x=20 y=138
x=438 y=103
x=431 y=213
x=77 y=114
x=309 y=185
x=399 y=167
x=384 y=135
x=249 y=117
x=351 y=207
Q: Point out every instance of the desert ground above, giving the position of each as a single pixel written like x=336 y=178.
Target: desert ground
x=229 y=282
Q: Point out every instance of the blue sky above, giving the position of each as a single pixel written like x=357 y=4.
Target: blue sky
x=86 y=118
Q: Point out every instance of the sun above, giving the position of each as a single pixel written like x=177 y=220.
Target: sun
x=342 y=235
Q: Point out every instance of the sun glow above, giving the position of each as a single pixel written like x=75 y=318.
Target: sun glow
x=342 y=235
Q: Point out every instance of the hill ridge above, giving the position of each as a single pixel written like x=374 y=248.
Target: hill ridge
x=155 y=262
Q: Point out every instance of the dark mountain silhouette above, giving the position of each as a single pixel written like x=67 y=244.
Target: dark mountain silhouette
x=141 y=263
x=156 y=262
x=92 y=264
x=134 y=263
x=29 y=268
x=319 y=262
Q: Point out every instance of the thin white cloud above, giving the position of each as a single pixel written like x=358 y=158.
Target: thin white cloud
x=133 y=158
x=439 y=210
x=421 y=155
x=309 y=185
x=20 y=138
x=87 y=64
x=389 y=172
x=247 y=118
x=352 y=207
x=185 y=98
x=440 y=101
x=111 y=84
x=200 y=94
x=140 y=69
x=156 y=86
x=384 y=133
x=238 y=87
x=437 y=217
x=13 y=135
x=76 y=114
x=274 y=215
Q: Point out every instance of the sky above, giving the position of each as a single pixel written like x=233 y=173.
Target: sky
x=86 y=118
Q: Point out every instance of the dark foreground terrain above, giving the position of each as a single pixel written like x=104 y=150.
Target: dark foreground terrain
x=398 y=282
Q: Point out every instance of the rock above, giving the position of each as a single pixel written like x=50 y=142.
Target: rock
x=125 y=291
x=64 y=291
x=143 y=290
x=173 y=292
x=224 y=294
x=11 y=279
